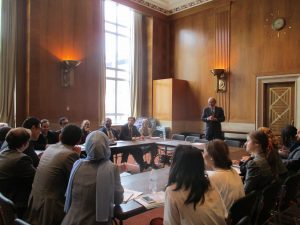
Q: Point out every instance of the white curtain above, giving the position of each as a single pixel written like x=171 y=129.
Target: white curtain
x=137 y=67
x=102 y=75
x=8 y=60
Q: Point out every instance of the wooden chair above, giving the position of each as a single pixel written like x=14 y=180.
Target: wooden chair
x=289 y=190
x=244 y=207
x=7 y=211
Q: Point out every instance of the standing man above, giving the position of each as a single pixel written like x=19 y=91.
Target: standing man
x=213 y=116
x=47 y=198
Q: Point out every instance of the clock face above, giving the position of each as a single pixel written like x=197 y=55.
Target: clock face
x=278 y=23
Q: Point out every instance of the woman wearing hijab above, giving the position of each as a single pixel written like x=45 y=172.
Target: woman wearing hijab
x=94 y=185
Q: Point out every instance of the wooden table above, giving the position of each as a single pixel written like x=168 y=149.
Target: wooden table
x=140 y=182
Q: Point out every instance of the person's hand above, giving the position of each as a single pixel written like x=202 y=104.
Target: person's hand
x=235 y=162
x=245 y=158
x=77 y=149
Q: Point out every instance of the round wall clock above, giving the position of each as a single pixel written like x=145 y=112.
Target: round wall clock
x=278 y=23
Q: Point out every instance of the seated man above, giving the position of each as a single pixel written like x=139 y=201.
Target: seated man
x=16 y=169
x=46 y=137
x=63 y=121
x=111 y=133
x=130 y=132
x=146 y=131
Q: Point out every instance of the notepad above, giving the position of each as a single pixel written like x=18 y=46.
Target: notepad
x=153 y=200
x=130 y=194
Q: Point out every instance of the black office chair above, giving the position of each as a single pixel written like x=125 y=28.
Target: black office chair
x=289 y=190
x=267 y=202
x=233 y=143
x=20 y=222
x=244 y=207
x=200 y=140
x=191 y=138
x=7 y=211
x=178 y=137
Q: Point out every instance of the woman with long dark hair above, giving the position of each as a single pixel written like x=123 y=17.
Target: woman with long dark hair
x=190 y=199
x=258 y=170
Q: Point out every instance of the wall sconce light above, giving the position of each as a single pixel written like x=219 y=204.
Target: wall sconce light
x=221 y=79
x=67 y=72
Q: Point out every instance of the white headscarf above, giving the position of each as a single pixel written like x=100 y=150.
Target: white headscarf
x=97 y=149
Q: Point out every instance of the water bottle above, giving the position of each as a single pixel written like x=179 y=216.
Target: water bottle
x=153 y=181
x=164 y=134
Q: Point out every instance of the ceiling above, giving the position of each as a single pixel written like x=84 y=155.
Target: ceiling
x=169 y=7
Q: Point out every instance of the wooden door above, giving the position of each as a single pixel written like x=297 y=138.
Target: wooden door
x=279 y=105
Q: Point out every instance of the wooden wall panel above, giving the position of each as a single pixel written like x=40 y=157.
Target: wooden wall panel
x=254 y=49
x=59 y=30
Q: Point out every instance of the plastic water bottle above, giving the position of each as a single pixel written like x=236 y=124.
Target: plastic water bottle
x=153 y=181
x=164 y=134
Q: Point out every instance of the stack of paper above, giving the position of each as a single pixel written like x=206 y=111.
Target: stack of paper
x=130 y=194
x=153 y=200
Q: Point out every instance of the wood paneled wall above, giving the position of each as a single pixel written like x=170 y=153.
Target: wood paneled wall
x=254 y=49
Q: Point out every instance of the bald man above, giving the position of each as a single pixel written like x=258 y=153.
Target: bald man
x=213 y=116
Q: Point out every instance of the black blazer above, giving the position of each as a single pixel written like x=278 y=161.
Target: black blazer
x=213 y=128
x=115 y=132
x=125 y=135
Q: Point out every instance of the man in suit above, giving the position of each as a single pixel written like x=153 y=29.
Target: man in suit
x=16 y=169
x=46 y=137
x=129 y=132
x=47 y=198
x=111 y=133
x=213 y=116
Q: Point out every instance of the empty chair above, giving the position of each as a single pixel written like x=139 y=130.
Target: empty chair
x=267 y=202
x=191 y=138
x=289 y=191
x=20 y=222
x=7 y=211
x=178 y=137
x=242 y=208
x=200 y=140
x=233 y=143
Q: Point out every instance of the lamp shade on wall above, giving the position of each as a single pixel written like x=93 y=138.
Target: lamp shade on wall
x=67 y=72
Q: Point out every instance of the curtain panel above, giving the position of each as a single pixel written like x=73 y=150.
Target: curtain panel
x=8 y=61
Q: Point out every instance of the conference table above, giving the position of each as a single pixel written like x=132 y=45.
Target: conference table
x=140 y=182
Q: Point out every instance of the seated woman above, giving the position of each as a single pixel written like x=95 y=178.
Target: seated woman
x=226 y=180
x=291 y=146
x=146 y=131
x=94 y=185
x=278 y=169
x=258 y=169
x=190 y=199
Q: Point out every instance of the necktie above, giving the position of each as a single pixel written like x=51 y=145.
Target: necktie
x=110 y=135
x=130 y=131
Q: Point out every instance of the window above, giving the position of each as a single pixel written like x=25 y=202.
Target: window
x=118 y=31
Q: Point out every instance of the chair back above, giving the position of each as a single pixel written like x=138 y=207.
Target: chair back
x=244 y=221
x=7 y=211
x=243 y=207
x=191 y=138
x=157 y=221
x=233 y=143
x=289 y=191
x=267 y=202
x=20 y=222
x=179 y=137
x=200 y=140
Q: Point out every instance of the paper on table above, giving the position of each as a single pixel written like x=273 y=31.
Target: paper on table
x=153 y=200
x=130 y=194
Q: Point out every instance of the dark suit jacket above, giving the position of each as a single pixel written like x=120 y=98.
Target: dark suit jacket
x=115 y=132
x=125 y=134
x=52 y=138
x=213 y=128
x=16 y=176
